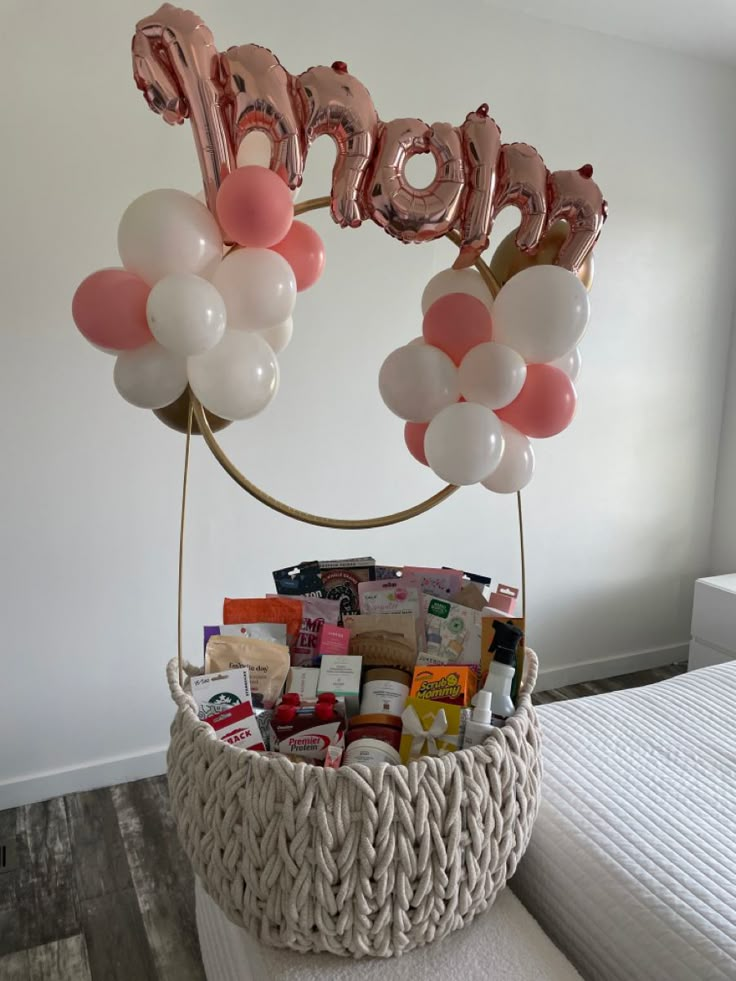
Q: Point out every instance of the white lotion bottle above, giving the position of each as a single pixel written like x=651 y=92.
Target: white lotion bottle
x=480 y=726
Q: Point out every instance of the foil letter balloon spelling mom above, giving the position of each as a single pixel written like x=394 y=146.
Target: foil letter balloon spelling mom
x=246 y=89
x=203 y=304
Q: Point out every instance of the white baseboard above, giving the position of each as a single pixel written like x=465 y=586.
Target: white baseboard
x=100 y=773
x=609 y=667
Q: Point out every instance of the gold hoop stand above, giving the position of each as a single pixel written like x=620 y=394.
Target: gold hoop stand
x=196 y=411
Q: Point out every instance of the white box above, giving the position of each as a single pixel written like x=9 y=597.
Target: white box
x=714 y=622
x=304 y=682
x=340 y=673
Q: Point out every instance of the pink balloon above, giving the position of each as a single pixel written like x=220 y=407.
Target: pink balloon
x=414 y=438
x=545 y=405
x=455 y=323
x=304 y=250
x=255 y=207
x=109 y=308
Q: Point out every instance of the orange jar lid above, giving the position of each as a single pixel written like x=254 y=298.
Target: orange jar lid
x=375 y=719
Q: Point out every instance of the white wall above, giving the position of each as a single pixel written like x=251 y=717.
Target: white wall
x=618 y=518
x=723 y=548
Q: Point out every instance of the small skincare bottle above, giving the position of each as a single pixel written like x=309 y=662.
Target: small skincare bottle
x=480 y=726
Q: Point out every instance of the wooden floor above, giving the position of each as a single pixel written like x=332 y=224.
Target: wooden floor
x=102 y=890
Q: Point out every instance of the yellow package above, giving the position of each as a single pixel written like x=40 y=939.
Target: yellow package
x=429 y=729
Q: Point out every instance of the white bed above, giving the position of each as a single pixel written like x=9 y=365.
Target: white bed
x=632 y=864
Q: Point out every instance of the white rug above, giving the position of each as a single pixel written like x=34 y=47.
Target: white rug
x=504 y=944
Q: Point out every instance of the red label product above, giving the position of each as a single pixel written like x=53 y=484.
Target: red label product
x=238 y=727
x=304 y=732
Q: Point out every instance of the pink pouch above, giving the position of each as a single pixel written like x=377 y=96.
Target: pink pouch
x=315 y=612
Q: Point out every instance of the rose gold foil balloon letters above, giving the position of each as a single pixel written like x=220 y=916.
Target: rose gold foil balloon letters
x=481 y=150
x=576 y=198
x=258 y=96
x=523 y=184
x=176 y=66
x=226 y=96
x=406 y=212
x=335 y=104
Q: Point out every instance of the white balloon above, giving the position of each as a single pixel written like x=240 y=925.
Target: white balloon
x=150 y=377
x=168 y=231
x=571 y=364
x=492 y=375
x=542 y=313
x=278 y=337
x=237 y=378
x=417 y=340
x=516 y=468
x=456 y=281
x=418 y=380
x=258 y=287
x=464 y=443
x=186 y=313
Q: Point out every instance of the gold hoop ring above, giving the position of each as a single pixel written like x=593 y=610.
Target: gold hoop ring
x=307 y=517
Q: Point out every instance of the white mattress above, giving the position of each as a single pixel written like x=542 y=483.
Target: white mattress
x=503 y=944
x=632 y=863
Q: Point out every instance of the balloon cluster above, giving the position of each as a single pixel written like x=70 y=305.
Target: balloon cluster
x=186 y=310
x=488 y=376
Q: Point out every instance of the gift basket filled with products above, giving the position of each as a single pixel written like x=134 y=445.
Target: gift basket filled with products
x=354 y=763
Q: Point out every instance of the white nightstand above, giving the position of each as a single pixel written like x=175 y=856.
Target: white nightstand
x=714 y=622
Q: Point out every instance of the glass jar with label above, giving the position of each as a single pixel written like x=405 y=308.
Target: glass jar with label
x=385 y=690
x=370 y=752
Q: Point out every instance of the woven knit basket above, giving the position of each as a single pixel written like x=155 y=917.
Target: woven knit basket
x=361 y=860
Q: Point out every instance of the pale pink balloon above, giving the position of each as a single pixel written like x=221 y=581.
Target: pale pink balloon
x=109 y=308
x=455 y=323
x=254 y=207
x=545 y=405
x=304 y=250
x=414 y=433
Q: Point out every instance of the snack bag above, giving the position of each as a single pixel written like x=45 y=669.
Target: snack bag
x=276 y=609
x=388 y=571
x=267 y=663
x=275 y=632
x=388 y=639
x=302 y=580
x=341 y=577
x=453 y=631
x=392 y=596
x=442 y=583
x=315 y=612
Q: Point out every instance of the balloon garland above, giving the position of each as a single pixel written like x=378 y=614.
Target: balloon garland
x=205 y=295
x=486 y=376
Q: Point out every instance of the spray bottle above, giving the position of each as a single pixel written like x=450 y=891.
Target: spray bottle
x=502 y=669
x=492 y=705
